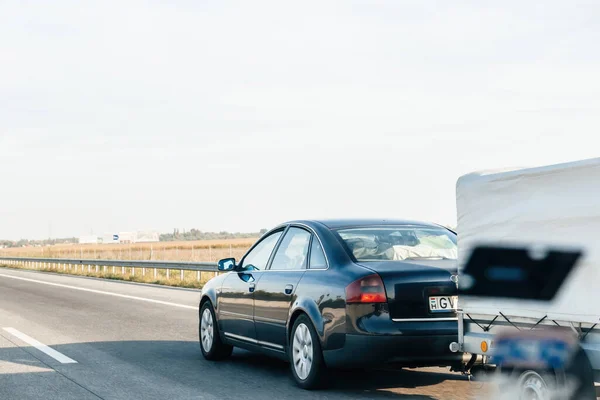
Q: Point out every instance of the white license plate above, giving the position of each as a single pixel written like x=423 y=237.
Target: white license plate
x=443 y=303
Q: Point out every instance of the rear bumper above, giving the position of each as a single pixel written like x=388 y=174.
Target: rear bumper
x=409 y=351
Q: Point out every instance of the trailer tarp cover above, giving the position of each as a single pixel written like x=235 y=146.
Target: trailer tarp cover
x=556 y=206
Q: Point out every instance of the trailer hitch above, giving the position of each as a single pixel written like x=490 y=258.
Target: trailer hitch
x=465 y=368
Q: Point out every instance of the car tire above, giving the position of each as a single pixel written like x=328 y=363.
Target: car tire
x=306 y=357
x=211 y=345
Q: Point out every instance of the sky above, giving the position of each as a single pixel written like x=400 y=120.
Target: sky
x=239 y=115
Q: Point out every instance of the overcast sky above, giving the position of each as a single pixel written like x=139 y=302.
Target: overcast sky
x=227 y=115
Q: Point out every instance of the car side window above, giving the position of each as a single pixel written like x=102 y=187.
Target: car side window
x=292 y=253
x=317 y=257
x=258 y=257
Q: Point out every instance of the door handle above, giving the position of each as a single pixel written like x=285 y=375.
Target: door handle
x=289 y=289
x=251 y=287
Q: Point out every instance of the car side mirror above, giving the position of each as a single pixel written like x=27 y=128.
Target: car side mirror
x=226 y=264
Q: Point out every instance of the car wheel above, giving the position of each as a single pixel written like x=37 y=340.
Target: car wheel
x=306 y=357
x=210 y=340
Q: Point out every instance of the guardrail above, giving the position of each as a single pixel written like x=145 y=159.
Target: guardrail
x=67 y=264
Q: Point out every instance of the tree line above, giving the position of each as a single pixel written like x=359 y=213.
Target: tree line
x=196 y=234
x=29 y=242
x=176 y=235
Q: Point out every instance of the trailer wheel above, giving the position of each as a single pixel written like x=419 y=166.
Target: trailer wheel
x=574 y=383
x=535 y=385
x=580 y=370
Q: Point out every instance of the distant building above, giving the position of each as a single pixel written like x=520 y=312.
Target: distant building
x=147 y=236
x=110 y=238
x=88 y=239
x=130 y=237
x=127 y=237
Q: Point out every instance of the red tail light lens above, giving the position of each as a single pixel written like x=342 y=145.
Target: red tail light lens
x=369 y=289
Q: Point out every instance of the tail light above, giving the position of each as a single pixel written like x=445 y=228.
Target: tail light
x=369 y=289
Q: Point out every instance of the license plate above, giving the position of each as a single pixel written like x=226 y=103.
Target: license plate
x=443 y=303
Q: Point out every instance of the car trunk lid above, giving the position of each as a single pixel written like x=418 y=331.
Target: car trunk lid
x=420 y=288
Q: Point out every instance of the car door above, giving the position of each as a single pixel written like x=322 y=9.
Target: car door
x=275 y=290
x=236 y=300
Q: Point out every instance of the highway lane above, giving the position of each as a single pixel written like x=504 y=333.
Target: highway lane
x=135 y=341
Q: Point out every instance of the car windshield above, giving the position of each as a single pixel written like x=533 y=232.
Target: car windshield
x=400 y=243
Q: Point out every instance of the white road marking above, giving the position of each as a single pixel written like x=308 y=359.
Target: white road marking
x=60 y=357
x=125 y=296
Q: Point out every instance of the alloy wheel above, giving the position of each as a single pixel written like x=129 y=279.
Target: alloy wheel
x=303 y=352
x=206 y=330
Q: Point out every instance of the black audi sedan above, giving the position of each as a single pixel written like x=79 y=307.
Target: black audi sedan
x=337 y=293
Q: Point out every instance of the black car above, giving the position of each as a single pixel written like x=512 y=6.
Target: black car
x=340 y=293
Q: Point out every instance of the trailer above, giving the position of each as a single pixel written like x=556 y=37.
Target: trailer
x=541 y=207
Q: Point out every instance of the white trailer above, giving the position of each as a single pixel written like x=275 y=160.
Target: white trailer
x=556 y=206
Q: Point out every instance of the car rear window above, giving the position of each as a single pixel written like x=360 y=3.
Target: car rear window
x=400 y=243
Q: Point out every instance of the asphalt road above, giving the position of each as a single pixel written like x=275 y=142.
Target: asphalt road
x=135 y=341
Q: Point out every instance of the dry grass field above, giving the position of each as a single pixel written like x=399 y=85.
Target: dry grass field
x=201 y=250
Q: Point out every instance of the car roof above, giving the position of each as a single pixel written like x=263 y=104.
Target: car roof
x=357 y=223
